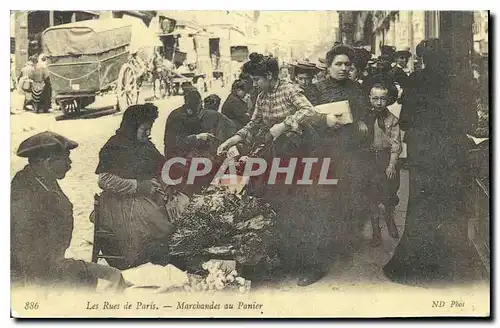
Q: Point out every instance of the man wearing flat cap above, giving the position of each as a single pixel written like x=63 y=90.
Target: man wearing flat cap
x=42 y=220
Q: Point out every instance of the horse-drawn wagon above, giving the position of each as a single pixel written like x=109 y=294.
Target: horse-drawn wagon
x=89 y=58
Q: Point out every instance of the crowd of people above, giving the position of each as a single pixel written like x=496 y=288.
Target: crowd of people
x=313 y=221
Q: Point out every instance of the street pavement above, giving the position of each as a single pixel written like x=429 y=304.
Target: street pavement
x=80 y=185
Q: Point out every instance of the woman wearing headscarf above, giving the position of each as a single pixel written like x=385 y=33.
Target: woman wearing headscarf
x=132 y=203
x=436 y=115
x=42 y=220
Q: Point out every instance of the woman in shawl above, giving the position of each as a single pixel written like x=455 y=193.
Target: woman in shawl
x=132 y=206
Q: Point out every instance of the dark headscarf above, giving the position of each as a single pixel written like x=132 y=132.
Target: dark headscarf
x=127 y=157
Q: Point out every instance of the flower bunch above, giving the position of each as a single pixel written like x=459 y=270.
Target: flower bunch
x=217 y=279
x=218 y=223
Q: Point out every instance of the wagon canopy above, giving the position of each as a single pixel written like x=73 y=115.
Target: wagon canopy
x=86 y=37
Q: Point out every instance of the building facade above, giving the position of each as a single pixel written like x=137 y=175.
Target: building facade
x=406 y=29
x=480 y=32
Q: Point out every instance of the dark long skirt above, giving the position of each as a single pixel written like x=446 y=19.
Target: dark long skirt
x=308 y=220
x=434 y=247
x=141 y=227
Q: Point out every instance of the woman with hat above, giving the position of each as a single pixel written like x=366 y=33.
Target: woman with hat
x=303 y=73
x=42 y=220
x=401 y=59
x=132 y=205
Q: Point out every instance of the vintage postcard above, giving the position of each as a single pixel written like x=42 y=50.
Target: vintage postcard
x=249 y=164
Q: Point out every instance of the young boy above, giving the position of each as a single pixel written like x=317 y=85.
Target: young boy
x=386 y=148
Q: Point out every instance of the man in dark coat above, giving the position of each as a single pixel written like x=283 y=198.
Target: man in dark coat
x=42 y=220
x=192 y=131
x=183 y=131
x=236 y=105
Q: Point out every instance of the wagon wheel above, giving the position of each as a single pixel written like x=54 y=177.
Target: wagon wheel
x=127 y=90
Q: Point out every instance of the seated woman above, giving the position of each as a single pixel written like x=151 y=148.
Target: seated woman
x=132 y=205
x=42 y=220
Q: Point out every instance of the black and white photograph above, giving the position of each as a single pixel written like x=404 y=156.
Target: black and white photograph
x=249 y=164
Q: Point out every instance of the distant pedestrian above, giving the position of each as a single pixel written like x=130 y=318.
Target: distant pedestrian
x=41 y=88
x=26 y=81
